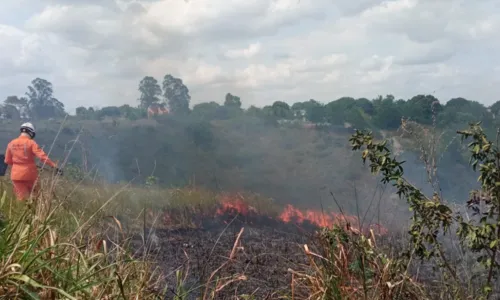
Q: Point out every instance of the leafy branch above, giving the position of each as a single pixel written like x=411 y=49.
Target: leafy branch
x=483 y=236
x=432 y=217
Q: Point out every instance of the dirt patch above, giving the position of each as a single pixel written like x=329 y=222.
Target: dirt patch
x=267 y=249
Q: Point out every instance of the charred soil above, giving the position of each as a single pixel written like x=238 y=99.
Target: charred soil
x=263 y=254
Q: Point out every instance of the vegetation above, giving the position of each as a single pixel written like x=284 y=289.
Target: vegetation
x=50 y=252
x=352 y=266
x=433 y=217
x=381 y=113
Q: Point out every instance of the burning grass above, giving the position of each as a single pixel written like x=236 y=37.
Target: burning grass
x=110 y=242
x=256 y=209
x=272 y=259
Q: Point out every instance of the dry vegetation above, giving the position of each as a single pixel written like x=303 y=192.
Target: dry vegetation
x=48 y=252
x=110 y=242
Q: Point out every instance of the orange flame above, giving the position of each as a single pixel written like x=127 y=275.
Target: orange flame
x=293 y=214
x=235 y=206
x=319 y=218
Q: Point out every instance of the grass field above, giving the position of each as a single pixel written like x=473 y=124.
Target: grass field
x=79 y=241
x=110 y=242
x=93 y=240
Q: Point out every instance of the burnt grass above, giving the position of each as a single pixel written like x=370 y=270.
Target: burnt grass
x=266 y=250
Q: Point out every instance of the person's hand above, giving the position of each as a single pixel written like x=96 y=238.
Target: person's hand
x=59 y=172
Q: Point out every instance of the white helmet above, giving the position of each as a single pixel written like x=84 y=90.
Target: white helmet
x=29 y=129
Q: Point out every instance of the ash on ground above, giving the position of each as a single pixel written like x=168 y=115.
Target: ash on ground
x=266 y=250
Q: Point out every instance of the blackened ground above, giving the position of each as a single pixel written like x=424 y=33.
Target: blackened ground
x=267 y=249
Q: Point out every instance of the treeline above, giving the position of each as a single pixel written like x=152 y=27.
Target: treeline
x=37 y=103
x=381 y=112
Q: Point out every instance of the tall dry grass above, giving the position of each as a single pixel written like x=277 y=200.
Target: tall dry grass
x=74 y=240
x=50 y=252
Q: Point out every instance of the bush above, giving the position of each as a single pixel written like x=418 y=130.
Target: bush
x=351 y=266
x=433 y=217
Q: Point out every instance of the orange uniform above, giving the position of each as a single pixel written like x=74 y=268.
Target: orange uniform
x=20 y=154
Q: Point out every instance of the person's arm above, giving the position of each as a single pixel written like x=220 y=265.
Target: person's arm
x=8 y=156
x=42 y=155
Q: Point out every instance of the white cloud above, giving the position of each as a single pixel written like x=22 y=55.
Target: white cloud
x=225 y=18
x=203 y=73
x=374 y=63
x=331 y=77
x=379 y=73
x=251 y=51
x=24 y=53
x=97 y=51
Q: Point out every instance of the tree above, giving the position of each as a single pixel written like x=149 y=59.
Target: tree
x=366 y=105
x=343 y=110
x=88 y=113
x=132 y=113
x=388 y=113
x=457 y=103
x=345 y=102
x=176 y=94
x=10 y=112
x=254 y=111
x=462 y=111
x=495 y=108
x=41 y=103
x=421 y=108
x=232 y=101
x=281 y=110
x=150 y=91
x=312 y=110
x=336 y=111
x=207 y=111
x=316 y=114
x=21 y=104
x=109 y=111
x=82 y=112
x=298 y=110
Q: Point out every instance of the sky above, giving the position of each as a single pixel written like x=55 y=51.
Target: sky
x=95 y=52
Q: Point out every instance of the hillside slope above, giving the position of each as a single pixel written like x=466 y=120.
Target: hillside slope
x=292 y=165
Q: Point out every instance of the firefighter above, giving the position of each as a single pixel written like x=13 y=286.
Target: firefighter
x=20 y=155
